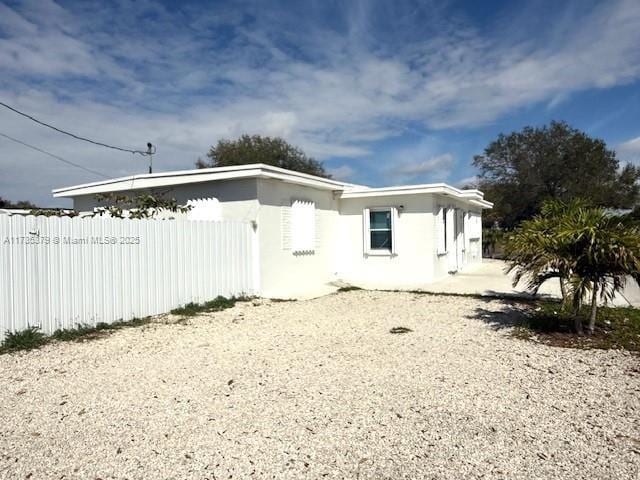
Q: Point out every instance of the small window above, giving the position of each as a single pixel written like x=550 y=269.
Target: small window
x=379 y=235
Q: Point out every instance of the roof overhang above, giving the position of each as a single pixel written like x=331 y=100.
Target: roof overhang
x=183 y=177
x=260 y=170
x=475 y=197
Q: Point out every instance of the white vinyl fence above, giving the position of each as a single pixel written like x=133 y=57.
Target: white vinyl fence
x=60 y=272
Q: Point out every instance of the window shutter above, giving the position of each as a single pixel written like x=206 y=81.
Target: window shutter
x=394 y=223
x=303 y=226
x=439 y=230
x=318 y=230
x=450 y=228
x=310 y=226
x=296 y=226
x=365 y=231
x=466 y=230
x=285 y=226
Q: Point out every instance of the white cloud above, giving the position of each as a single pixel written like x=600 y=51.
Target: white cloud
x=280 y=124
x=437 y=166
x=629 y=151
x=343 y=172
x=184 y=78
x=470 y=182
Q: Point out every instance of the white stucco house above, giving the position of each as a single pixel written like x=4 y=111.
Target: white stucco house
x=312 y=231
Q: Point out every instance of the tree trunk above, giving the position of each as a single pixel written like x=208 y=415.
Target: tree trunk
x=563 y=291
x=577 y=321
x=594 y=309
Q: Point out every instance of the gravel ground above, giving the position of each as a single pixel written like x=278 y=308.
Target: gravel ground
x=321 y=389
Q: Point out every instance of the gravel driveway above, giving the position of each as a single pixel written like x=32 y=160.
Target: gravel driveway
x=321 y=389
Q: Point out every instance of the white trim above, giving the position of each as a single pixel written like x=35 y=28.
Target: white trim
x=259 y=170
x=474 y=197
x=145 y=181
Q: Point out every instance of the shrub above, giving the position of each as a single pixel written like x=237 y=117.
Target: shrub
x=68 y=334
x=349 y=288
x=217 y=304
x=26 y=339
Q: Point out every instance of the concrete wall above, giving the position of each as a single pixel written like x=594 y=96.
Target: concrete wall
x=414 y=236
x=415 y=261
x=442 y=263
x=283 y=273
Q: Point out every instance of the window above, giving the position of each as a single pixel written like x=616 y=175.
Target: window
x=379 y=231
x=303 y=226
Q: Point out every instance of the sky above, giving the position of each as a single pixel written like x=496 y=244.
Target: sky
x=384 y=93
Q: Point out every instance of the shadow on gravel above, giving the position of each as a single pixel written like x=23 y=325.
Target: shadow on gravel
x=510 y=314
x=546 y=322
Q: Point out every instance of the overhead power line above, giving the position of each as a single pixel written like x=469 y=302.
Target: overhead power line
x=77 y=137
x=54 y=156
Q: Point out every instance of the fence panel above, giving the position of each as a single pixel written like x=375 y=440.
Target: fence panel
x=61 y=272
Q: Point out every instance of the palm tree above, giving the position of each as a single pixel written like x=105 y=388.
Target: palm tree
x=536 y=252
x=590 y=252
x=604 y=253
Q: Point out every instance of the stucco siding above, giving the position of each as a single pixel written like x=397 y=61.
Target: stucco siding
x=442 y=264
x=284 y=273
x=339 y=250
x=412 y=262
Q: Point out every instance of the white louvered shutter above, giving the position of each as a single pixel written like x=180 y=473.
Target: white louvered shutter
x=318 y=230
x=285 y=226
x=303 y=226
x=394 y=224
x=466 y=229
x=439 y=231
x=450 y=228
x=365 y=231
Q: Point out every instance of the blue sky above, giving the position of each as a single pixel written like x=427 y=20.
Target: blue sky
x=382 y=92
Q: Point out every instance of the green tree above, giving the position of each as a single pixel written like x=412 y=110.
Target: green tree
x=21 y=204
x=591 y=252
x=258 y=149
x=519 y=171
x=633 y=217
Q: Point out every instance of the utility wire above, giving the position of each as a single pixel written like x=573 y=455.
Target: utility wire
x=71 y=134
x=52 y=155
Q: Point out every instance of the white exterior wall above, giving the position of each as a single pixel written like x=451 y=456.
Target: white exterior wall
x=412 y=263
x=339 y=249
x=443 y=263
x=283 y=273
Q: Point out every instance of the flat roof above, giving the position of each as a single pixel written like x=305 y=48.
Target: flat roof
x=181 y=177
x=473 y=196
x=260 y=170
